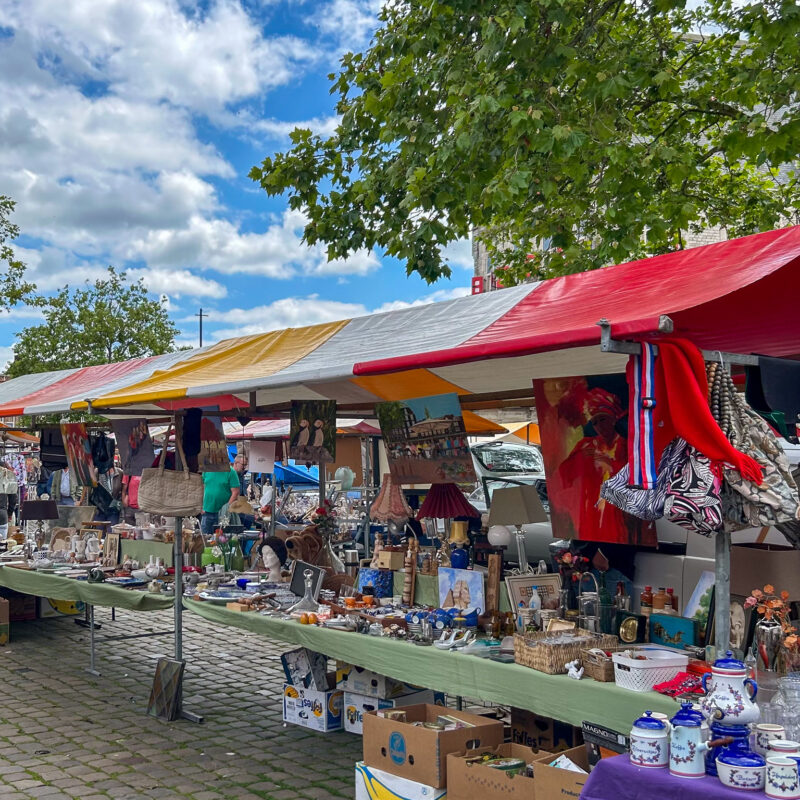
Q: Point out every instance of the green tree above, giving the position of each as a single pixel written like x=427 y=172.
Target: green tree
x=13 y=287
x=592 y=131
x=109 y=320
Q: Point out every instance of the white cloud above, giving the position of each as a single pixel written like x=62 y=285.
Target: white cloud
x=459 y=254
x=6 y=357
x=350 y=23
x=178 y=283
x=297 y=312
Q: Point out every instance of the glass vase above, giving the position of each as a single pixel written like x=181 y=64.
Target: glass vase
x=306 y=603
x=767 y=643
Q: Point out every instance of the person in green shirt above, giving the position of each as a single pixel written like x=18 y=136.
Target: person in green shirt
x=218 y=488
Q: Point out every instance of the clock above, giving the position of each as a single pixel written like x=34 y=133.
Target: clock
x=631 y=628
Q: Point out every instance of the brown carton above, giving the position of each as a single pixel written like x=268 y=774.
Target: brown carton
x=543 y=733
x=554 y=783
x=419 y=753
x=467 y=781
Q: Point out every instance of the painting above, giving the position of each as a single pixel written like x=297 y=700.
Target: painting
x=213 y=455
x=111 y=549
x=743 y=625
x=312 y=432
x=583 y=424
x=520 y=588
x=79 y=452
x=134 y=445
x=461 y=588
x=670 y=630
x=699 y=603
x=426 y=441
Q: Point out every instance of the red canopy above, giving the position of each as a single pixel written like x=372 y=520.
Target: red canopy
x=739 y=295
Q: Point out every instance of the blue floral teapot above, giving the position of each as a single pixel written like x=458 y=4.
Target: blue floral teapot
x=731 y=698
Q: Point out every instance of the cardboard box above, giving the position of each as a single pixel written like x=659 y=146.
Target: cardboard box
x=389 y=559
x=21 y=607
x=543 y=733
x=5 y=627
x=310 y=708
x=753 y=565
x=602 y=742
x=375 y=784
x=306 y=668
x=356 y=705
x=418 y=753
x=553 y=783
x=46 y=607
x=467 y=781
x=358 y=680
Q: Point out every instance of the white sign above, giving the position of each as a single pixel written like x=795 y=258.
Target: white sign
x=262 y=456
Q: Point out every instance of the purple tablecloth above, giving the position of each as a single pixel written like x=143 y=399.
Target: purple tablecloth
x=617 y=779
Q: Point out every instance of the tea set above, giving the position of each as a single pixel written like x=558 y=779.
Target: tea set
x=715 y=738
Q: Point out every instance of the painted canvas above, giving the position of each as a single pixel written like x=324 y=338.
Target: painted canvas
x=669 y=630
x=312 y=432
x=213 y=455
x=583 y=424
x=134 y=444
x=79 y=452
x=461 y=588
x=426 y=441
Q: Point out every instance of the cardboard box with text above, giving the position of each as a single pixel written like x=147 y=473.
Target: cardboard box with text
x=466 y=781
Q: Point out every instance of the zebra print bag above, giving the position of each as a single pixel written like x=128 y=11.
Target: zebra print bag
x=693 y=498
x=645 y=503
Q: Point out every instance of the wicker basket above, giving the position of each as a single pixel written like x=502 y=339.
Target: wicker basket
x=551 y=658
x=598 y=665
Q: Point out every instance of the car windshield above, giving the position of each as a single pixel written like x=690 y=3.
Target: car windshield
x=504 y=457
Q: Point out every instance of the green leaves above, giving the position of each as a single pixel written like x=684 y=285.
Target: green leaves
x=596 y=132
x=13 y=287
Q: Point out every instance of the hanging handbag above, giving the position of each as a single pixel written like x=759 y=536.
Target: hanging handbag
x=103 y=449
x=693 y=495
x=748 y=504
x=645 y=504
x=101 y=499
x=171 y=493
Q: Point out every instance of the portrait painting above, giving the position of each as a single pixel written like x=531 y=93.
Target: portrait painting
x=583 y=425
x=312 y=431
x=213 y=455
x=426 y=441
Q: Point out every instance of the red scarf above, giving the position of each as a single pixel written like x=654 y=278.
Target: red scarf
x=681 y=391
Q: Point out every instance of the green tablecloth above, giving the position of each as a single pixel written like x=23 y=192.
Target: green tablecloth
x=554 y=696
x=98 y=594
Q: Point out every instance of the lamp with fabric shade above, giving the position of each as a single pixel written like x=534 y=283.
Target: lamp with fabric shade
x=446 y=501
x=38 y=511
x=517 y=506
x=390 y=505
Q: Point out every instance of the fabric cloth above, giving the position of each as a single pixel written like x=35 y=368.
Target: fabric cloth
x=682 y=683
x=682 y=408
x=217 y=489
x=641 y=439
x=555 y=696
x=131 y=484
x=617 y=778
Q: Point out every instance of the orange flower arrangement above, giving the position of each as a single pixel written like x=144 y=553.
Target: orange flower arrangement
x=777 y=607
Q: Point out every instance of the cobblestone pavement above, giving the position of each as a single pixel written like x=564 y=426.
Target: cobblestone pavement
x=67 y=734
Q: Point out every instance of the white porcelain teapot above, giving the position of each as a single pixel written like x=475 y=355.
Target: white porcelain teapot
x=731 y=698
x=687 y=744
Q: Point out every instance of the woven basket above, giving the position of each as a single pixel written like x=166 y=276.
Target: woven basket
x=551 y=658
x=598 y=666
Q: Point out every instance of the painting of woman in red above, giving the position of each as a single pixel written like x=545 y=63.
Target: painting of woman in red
x=582 y=424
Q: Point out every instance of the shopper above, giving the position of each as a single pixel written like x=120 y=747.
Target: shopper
x=219 y=488
x=63 y=487
x=240 y=466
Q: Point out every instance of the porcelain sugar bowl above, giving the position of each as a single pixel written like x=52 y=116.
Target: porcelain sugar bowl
x=741 y=768
x=731 y=695
x=649 y=742
x=688 y=745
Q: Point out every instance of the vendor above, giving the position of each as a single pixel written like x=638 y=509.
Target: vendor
x=219 y=488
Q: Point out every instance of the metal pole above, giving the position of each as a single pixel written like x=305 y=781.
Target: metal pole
x=91 y=670
x=273 y=516
x=321 y=468
x=177 y=560
x=722 y=592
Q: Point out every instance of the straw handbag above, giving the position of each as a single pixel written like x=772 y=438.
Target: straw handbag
x=169 y=492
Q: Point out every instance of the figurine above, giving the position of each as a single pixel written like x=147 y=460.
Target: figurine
x=377 y=547
x=573 y=670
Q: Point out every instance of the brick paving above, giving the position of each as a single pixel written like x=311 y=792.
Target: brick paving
x=67 y=734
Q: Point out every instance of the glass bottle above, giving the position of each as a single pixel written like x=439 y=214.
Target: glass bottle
x=306 y=603
x=673 y=598
x=646 y=600
x=497 y=626
x=237 y=556
x=660 y=600
x=510 y=628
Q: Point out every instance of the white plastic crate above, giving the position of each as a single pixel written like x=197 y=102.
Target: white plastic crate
x=641 y=676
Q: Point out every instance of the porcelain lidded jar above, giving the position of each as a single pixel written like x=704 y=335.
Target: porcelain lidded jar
x=649 y=742
x=731 y=697
x=741 y=768
x=687 y=746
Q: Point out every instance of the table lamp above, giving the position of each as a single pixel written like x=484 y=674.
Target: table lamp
x=39 y=511
x=517 y=506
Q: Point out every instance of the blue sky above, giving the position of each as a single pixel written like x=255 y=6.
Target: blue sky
x=127 y=133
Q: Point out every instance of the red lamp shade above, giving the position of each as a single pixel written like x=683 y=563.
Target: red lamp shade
x=446 y=501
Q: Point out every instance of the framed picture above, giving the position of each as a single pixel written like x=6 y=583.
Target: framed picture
x=312 y=431
x=670 y=630
x=520 y=588
x=297 y=580
x=111 y=549
x=743 y=625
x=560 y=625
x=461 y=588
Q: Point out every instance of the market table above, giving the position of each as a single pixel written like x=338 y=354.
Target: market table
x=617 y=778
x=556 y=696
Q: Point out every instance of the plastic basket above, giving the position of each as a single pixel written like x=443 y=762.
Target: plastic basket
x=640 y=675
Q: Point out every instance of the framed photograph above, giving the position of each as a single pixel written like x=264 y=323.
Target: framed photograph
x=520 y=589
x=743 y=625
x=111 y=549
x=669 y=630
